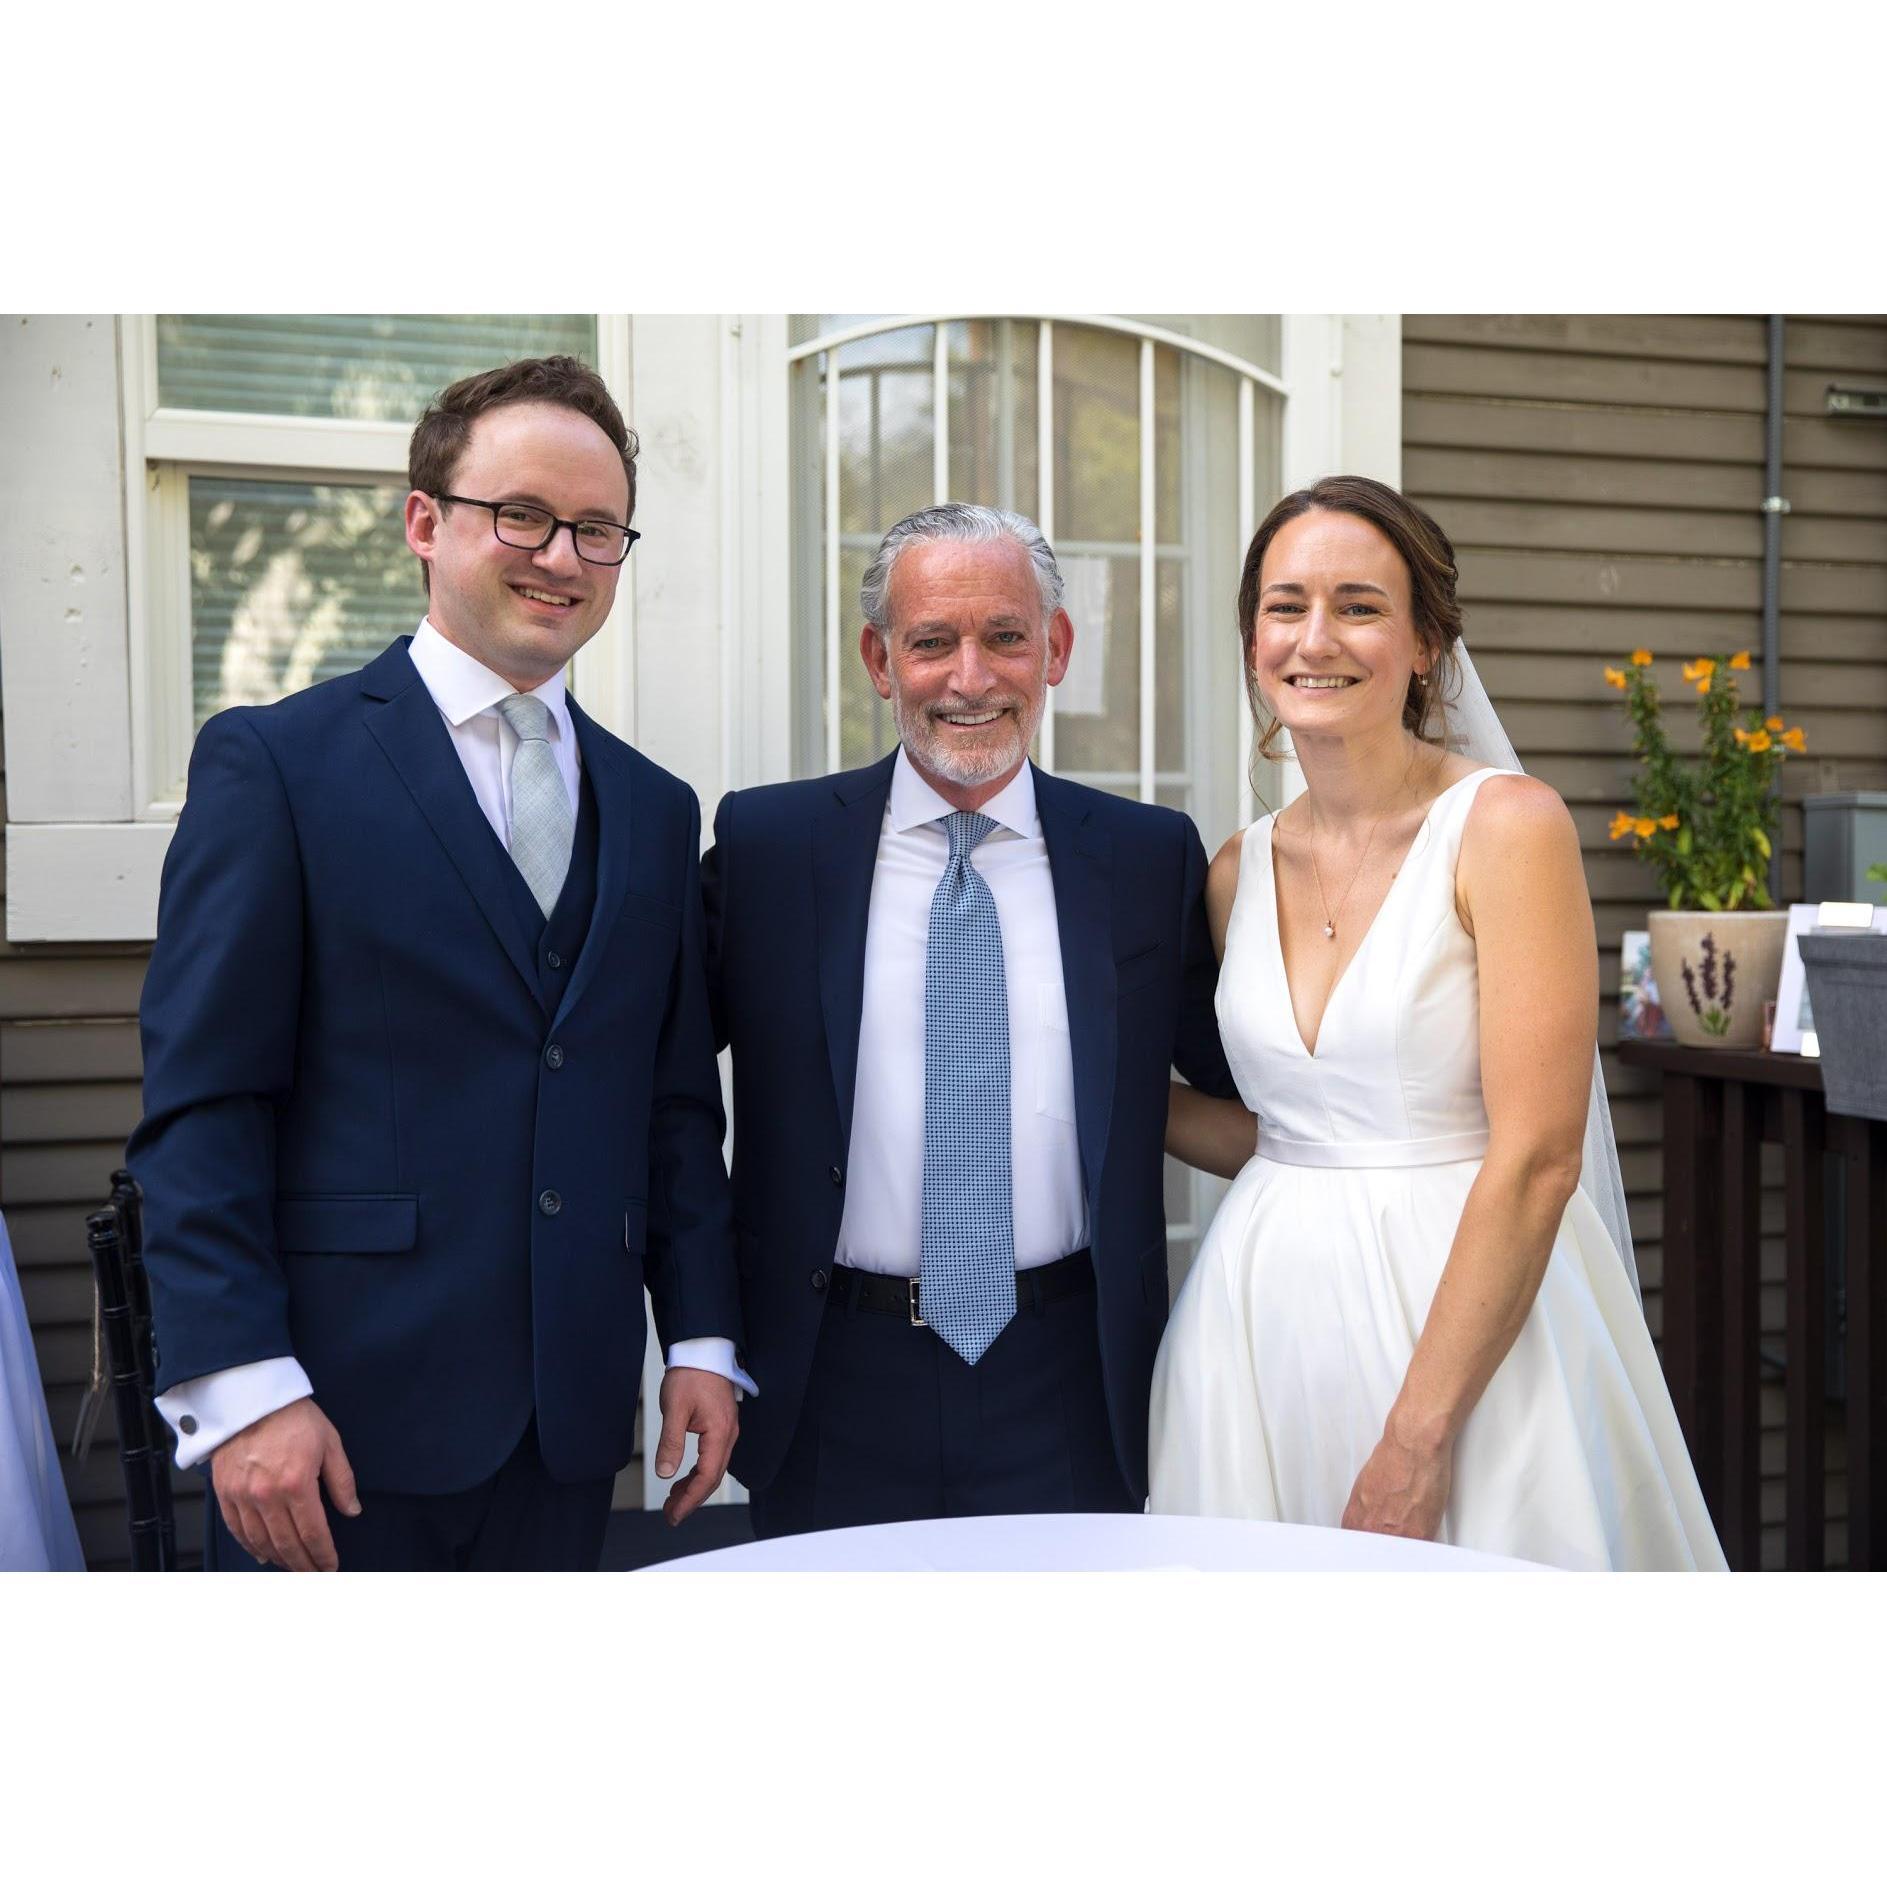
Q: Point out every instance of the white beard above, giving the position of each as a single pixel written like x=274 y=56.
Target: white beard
x=966 y=766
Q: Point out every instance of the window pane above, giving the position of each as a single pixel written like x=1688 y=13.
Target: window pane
x=291 y=584
x=1256 y=338
x=345 y=366
x=1097 y=437
x=1097 y=708
x=993 y=420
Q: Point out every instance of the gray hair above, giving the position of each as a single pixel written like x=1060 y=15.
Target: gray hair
x=963 y=524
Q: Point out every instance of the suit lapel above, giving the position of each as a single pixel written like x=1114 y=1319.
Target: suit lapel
x=607 y=765
x=1081 y=862
x=844 y=857
x=402 y=716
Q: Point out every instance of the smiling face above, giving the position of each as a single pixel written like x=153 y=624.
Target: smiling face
x=966 y=662
x=523 y=613
x=1336 y=637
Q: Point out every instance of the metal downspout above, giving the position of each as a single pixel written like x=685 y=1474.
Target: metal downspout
x=1775 y=507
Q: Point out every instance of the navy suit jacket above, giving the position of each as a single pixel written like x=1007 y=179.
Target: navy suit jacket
x=369 y=1142
x=788 y=895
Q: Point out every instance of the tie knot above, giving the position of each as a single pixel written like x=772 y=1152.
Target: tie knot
x=966 y=831
x=528 y=716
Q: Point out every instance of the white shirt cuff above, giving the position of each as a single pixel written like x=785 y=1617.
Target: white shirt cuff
x=207 y=1410
x=716 y=1354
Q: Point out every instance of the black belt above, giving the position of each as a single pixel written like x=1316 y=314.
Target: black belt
x=1040 y=1284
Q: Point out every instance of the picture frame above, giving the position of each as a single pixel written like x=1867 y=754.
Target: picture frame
x=1641 y=1016
x=1794 y=1032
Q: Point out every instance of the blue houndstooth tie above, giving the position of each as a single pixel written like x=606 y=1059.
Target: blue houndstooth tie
x=967 y=1271
x=543 y=828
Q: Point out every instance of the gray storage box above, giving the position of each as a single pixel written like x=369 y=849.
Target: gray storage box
x=1847 y=986
x=1843 y=834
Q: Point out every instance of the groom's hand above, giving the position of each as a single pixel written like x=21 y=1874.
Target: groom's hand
x=697 y=1402
x=268 y=1483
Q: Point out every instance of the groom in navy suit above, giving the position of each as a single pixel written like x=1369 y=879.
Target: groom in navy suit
x=429 y=1087
x=955 y=987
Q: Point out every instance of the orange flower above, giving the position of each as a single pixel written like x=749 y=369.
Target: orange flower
x=1740 y=660
x=1644 y=828
x=1622 y=823
x=1669 y=823
x=1759 y=742
x=1795 y=741
x=1641 y=658
x=1740 y=735
x=1700 y=672
x=1616 y=676
x=1774 y=723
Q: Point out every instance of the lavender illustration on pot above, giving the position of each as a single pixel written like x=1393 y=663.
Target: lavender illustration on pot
x=1712 y=1010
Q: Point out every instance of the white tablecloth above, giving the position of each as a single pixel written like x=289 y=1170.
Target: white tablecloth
x=36 y=1530
x=1093 y=1543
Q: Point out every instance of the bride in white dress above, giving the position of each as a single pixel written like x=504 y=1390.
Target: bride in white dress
x=1407 y=1315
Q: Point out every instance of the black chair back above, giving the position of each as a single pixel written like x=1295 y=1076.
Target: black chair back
x=115 y=1237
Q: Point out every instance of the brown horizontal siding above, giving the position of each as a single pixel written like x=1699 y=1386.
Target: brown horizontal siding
x=1602 y=478
x=68 y=1097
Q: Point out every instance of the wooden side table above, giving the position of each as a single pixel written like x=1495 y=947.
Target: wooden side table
x=1719 y=1107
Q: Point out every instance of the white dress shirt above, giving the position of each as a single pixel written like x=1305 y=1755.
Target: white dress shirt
x=207 y=1410
x=882 y=1225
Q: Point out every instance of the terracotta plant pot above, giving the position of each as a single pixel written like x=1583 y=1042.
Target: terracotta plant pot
x=1715 y=970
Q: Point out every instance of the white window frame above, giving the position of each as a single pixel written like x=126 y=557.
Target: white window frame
x=169 y=446
x=80 y=879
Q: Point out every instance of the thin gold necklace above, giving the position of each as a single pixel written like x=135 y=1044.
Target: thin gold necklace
x=1330 y=917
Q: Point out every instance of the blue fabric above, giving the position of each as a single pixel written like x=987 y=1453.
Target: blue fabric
x=786 y=956
x=358 y=1148
x=967 y=1276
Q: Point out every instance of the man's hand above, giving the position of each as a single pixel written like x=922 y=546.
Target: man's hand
x=1402 y=1489
x=267 y=1479
x=697 y=1402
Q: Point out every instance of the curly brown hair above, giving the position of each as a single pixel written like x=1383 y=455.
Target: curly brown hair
x=440 y=438
x=1426 y=554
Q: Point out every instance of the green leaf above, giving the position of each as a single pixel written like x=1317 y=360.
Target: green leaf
x=1762 y=840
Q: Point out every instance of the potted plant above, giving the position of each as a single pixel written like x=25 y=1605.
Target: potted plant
x=1708 y=827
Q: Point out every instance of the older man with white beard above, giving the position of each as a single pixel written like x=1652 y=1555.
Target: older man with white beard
x=955 y=987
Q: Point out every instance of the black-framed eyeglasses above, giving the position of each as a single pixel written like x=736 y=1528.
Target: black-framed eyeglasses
x=531 y=527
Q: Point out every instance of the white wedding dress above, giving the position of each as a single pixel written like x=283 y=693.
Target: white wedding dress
x=1295 y=1326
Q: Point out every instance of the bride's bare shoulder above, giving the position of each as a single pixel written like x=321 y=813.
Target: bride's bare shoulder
x=1518 y=834
x=1222 y=887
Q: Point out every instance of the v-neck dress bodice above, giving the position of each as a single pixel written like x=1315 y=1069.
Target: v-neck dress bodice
x=1294 y=1329
x=1396 y=1078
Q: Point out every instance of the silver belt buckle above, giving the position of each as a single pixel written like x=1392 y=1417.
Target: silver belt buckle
x=917 y=1316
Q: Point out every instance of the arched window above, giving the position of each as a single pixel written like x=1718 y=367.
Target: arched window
x=1145 y=448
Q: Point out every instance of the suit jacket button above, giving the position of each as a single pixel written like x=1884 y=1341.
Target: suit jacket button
x=818 y=1280
x=553 y=959
x=549 y=1203
x=187 y=1426
x=553 y=1055
x=836 y=1177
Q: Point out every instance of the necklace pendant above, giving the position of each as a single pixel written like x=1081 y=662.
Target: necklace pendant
x=1330 y=930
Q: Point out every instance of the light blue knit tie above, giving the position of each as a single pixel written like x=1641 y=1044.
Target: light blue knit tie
x=967 y=1267
x=543 y=828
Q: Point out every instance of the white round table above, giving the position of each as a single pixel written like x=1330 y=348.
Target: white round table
x=1092 y=1543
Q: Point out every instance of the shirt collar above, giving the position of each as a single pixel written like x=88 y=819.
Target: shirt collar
x=915 y=802
x=462 y=686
